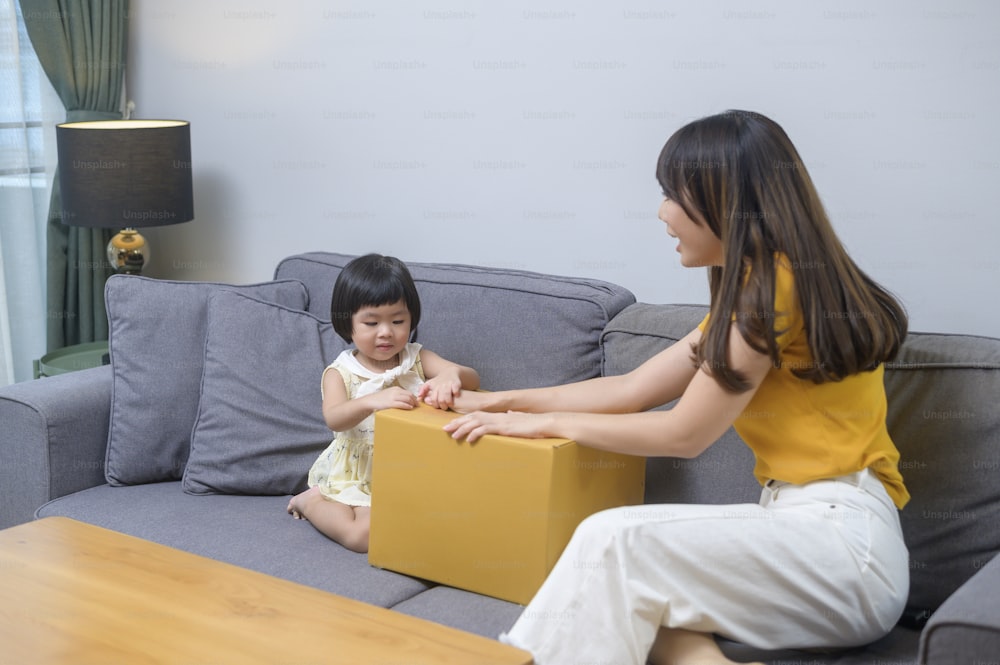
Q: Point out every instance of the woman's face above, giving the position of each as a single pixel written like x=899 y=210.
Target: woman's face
x=697 y=245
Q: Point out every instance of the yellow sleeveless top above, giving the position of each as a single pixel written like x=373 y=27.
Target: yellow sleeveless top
x=800 y=431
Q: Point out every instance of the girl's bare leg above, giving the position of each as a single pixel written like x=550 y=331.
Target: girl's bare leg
x=348 y=525
x=675 y=646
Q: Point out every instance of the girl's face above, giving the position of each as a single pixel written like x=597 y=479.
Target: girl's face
x=379 y=333
x=697 y=245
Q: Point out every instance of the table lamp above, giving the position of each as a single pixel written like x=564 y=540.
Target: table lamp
x=127 y=175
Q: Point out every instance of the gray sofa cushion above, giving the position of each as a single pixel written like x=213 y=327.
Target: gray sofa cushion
x=464 y=610
x=157 y=342
x=551 y=318
x=967 y=625
x=260 y=419
x=640 y=331
x=943 y=416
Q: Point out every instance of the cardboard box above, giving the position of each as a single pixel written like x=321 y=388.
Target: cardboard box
x=490 y=517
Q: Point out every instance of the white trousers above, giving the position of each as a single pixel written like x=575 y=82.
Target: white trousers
x=811 y=566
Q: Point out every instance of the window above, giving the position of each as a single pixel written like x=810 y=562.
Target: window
x=29 y=111
x=22 y=145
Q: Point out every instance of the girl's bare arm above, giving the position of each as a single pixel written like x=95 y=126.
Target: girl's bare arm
x=341 y=413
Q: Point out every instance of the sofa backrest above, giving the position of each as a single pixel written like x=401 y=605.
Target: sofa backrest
x=943 y=393
x=723 y=473
x=944 y=416
x=516 y=328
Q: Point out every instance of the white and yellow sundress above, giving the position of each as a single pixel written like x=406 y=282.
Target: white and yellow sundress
x=343 y=472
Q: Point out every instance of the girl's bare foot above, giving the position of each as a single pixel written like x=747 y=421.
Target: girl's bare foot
x=348 y=525
x=297 y=505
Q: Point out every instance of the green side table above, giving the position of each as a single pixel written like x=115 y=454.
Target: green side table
x=72 y=358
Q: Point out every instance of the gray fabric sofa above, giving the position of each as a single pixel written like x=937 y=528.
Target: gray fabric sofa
x=208 y=418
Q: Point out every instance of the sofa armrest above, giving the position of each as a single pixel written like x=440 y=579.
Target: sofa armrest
x=966 y=628
x=53 y=439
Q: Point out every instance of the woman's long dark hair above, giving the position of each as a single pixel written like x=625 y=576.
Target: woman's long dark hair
x=739 y=173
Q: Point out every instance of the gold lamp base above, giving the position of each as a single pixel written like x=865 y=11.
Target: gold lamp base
x=128 y=252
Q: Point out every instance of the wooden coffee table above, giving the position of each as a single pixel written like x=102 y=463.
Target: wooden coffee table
x=76 y=593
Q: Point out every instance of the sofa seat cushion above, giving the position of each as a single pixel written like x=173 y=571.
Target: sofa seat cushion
x=549 y=326
x=899 y=647
x=252 y=532
x=464 y=610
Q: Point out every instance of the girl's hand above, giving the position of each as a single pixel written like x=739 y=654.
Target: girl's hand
x=440 y=391
x=391 y=398
x=445 y=380
x=473 y=426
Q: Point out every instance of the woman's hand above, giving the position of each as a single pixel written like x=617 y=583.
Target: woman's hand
x=471 y=400
x=473 y=426
x=445 y=380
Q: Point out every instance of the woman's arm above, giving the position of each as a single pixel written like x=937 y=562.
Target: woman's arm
x=341 y=413
x=657 y=381
x=703 y=413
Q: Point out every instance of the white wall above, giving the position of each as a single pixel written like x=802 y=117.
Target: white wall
x=525 y=134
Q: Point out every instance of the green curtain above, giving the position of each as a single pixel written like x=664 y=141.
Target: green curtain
x=81 y=45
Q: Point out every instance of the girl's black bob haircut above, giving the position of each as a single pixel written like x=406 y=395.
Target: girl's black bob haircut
x=370 y=281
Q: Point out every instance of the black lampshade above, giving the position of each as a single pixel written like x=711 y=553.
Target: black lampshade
x=125 y=173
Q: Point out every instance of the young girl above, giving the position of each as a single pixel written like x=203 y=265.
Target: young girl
x=375 y=306
x=797 y=332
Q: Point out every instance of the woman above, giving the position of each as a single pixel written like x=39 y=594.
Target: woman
x=791 y=355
